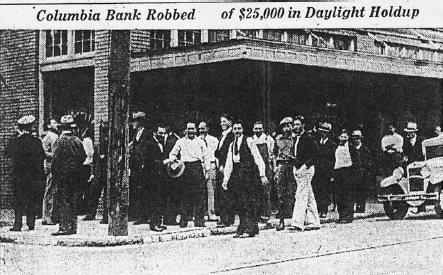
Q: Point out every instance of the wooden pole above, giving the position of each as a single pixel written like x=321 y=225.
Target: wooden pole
x=118 y=157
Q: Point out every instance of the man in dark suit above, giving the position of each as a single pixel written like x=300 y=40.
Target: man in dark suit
x=412 y=146
x=324 y=169
x=305 y=214
x=138 y=151
x=224 y=201
x=362 y=167
x=172 y=197
x=27 y=154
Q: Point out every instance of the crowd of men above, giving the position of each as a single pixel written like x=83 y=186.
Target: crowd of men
x=301 y=173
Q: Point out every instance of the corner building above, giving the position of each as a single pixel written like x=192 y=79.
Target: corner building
x=354 y=76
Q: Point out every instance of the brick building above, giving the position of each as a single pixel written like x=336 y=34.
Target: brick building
x=353 y=76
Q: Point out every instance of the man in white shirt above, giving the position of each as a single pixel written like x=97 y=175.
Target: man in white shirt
x=392 y=147
x=192 y=151
x=243 y=174
x=265 y=145
x=211 y=143
x=344 y=179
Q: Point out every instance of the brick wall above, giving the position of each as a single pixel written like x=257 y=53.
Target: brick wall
x=19 y=67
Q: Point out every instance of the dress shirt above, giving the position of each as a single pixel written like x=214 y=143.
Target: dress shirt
x=323 y=141
x=159 y=144
x=268 y=140
x=224 y=134
x=211 y=143
x=342 y=157
x=190 y=150
x=139 y=134
x=395 y=139
x=88 y=146
x=255 y=154
x=413 y=140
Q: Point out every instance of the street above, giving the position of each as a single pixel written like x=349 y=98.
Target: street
x=371 y=246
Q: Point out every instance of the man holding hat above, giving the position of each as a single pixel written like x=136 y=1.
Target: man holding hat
x=191 y=150
x=27 y=155
x=284 y=177
x=324 y=169
x=67 y=162
x=412 y=145
x=362 y=166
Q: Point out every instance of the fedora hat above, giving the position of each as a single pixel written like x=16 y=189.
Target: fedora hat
x=175 y=168
x=26 y=120
x=287 y=120
x=325 y=127
x=411 y=127
x=357 y=134
x=138 y=115
x=67 y=120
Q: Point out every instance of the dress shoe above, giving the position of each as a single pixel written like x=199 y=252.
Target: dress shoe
x=63 y=233
x=138 y=222
x=156 y=229
x=30 y=228
x=48 y=223
x=164 y=227
x=183 y=224
x=281 y=226
x=311 y=228
x=15 y=229
x=104 y=221
x=88 y=218
x=251 y=235
x=344 y=221
x=295 y=229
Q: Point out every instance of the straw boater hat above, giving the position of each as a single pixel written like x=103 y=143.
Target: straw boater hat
x=26 y=120
x=175 y=168
x=411 y=127
x=67 y=120
x=286 y=120
x=325 y=127
x=138 y=115
x=357 y=134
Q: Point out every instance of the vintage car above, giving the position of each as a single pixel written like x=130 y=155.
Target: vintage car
x=421 y=185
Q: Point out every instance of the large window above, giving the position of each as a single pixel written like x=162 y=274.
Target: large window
x=275 y=35
x=56 y=43
x=189 y=37
x=160 y=39
x=344 y=43
x=218 y=35
x=84 y=41
x=298 y=37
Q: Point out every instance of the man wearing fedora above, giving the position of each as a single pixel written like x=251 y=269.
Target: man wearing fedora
x=324 y=169
x=362 y=169
x=412 y=146
x=244 y=173
x=284 y=177
x=68 y=159
x=27 y=156
x=138 y=204
x=190 y=151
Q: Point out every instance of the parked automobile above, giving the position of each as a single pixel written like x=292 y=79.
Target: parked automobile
x=421 y=185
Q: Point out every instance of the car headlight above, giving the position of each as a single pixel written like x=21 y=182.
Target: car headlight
x=425 y=172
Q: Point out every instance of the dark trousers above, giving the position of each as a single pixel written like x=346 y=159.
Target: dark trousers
x=98 y=186
x=225 y=202
x=321 y=185
x=286 y=187
x=171 y=197
x=25 y=201
x=361 y=189
x=192 y=190
x=244 y=191
x=155 y=201
x=68 y=193
x=344 y=181
x=264 y=199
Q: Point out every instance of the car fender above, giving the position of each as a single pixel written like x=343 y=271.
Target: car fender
x=389 y=181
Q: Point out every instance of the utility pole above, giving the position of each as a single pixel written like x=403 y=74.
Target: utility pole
x=118 y=156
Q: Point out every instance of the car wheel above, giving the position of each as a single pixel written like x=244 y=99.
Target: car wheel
x=439 y=203
x=395 y=210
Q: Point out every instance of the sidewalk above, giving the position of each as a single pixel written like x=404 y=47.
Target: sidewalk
x=92 y=233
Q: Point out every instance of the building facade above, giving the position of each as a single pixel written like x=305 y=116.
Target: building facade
x=368 y=77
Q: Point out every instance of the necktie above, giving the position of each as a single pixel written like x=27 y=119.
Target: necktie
x=204 y=139
x=236 y=146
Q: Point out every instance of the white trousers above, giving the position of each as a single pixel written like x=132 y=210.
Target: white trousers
x=305 y=211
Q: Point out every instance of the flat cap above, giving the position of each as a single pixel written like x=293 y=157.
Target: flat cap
x=325 y=126
x=66 y=119
x=138 y=115
x=26 y=120
x=287 y=120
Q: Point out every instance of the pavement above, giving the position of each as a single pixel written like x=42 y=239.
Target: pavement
x=92 y=233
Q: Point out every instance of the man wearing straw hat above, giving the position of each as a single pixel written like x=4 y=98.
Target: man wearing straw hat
x=412 y=145
x=69 y=156
x=27 y=154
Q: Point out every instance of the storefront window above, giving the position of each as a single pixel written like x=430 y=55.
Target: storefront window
x=275 y=35
x=160 y=39
x=298 y=37
x=84 y=41
x=189 y=37
x=218 y=35
x=56 y=43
